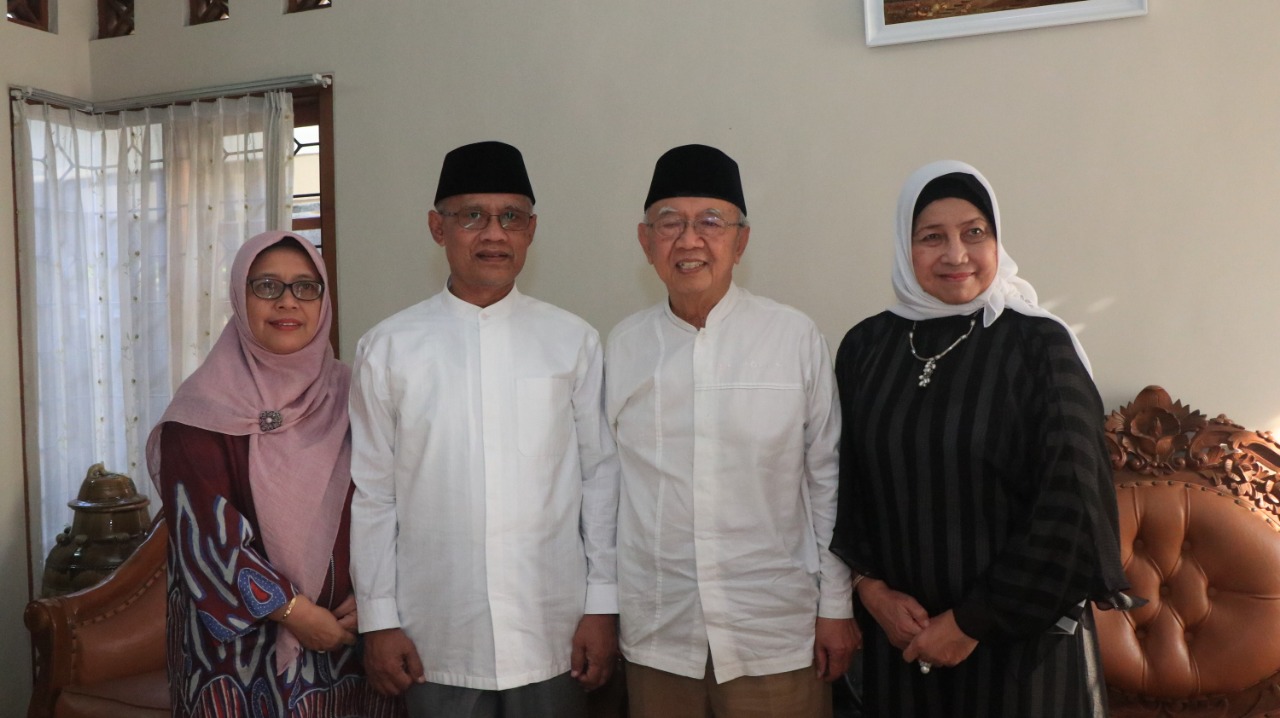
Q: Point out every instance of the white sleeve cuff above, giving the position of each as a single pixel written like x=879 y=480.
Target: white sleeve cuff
x=601 y=598
x=377 y=614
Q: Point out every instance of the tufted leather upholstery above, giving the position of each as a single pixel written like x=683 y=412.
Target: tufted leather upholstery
x=100 y=652
x=1200 y=539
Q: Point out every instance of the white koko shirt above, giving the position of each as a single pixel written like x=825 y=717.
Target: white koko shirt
x=484 y=516
x=728 y=441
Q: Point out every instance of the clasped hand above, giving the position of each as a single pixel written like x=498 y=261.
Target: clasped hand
x=319 y=629
x=937 y=640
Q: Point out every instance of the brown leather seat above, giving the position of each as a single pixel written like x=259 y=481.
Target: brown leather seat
x=1200 y=539
x=146 y=694
x=100 y=652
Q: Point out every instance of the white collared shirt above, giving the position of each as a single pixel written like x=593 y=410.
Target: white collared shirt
x=727 y=437
x=484 y=516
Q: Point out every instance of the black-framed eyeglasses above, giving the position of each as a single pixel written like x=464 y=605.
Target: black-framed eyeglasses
x=474 y=218
x=707 y=226
x=306 y=290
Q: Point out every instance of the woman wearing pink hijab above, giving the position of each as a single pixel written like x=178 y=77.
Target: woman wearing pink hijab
x=252 y=458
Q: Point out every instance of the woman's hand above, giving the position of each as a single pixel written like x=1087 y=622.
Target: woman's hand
x=346 y=614
x=900 y=615
x=941 y=644
x=316 y=628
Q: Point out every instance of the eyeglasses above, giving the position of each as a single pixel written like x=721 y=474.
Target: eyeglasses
x=307 y=290
x=707 y=226
x=474 y=218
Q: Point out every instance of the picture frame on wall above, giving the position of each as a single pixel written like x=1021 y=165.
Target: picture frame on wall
x=897 y=21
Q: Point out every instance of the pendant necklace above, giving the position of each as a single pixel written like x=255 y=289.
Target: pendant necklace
x=931 y=363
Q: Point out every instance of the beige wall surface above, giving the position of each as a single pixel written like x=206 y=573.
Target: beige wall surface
x=1137 y=161
x=58 y=62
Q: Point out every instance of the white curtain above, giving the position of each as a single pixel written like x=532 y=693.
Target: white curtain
x=128 y=223
x=227 y=180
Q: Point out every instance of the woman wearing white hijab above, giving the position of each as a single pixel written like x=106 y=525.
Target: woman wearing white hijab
x=976 y=504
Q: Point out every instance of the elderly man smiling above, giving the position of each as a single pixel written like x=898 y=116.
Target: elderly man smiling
x=724 y=409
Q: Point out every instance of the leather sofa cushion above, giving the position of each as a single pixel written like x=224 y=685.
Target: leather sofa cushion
x=145 y=695
x=1205 y=560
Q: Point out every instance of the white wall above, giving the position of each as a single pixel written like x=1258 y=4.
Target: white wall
x=59 y=63
x=1137 y=161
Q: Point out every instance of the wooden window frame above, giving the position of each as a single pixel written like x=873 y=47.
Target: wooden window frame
x=201 y=12
x=31 y=13
x=305 y=5
x=115 y=18
x=314 y=106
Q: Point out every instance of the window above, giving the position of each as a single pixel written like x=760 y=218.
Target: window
x=128 y=220
x=203 y=11
x=301 y=5
x=122 y=307
x=313 y=185
x=32 y=13
x=115 y=18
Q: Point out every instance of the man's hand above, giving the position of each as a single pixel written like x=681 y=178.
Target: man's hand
x=834 y=641
x=942 y=643
x=391 y=661
x=595 y=650
x=900 y=615
x=315 y=628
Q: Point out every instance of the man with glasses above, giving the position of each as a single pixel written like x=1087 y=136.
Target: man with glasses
x=724 y=408
x=483 y=523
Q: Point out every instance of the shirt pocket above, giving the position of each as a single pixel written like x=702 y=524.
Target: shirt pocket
x=763 y=421
x=544 y=414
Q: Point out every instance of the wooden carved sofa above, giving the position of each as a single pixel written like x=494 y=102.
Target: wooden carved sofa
x=1200 y=538
x=100 y=652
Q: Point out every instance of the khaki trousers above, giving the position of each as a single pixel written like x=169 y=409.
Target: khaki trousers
x=657 y=694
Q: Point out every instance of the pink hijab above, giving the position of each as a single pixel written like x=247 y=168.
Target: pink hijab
x=300 y=469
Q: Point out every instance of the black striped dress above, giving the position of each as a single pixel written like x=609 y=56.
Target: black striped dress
x=987 y=492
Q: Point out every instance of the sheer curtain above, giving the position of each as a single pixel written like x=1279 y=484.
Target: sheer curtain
x=128 y=223
x=227 y=180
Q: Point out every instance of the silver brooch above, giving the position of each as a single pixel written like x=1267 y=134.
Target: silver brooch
x=270 y=420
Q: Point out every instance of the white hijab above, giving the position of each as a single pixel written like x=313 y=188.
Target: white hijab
x=1007 y=290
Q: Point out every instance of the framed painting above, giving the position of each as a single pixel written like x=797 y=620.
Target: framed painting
x=895 y=21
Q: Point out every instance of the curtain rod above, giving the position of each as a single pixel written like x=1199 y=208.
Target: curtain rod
x=131 y=103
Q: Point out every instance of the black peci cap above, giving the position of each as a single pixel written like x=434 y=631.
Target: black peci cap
x=483 y=168
x=696 y=171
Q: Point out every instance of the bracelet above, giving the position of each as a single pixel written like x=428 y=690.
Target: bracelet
x=857 y=579
x=288 y=608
